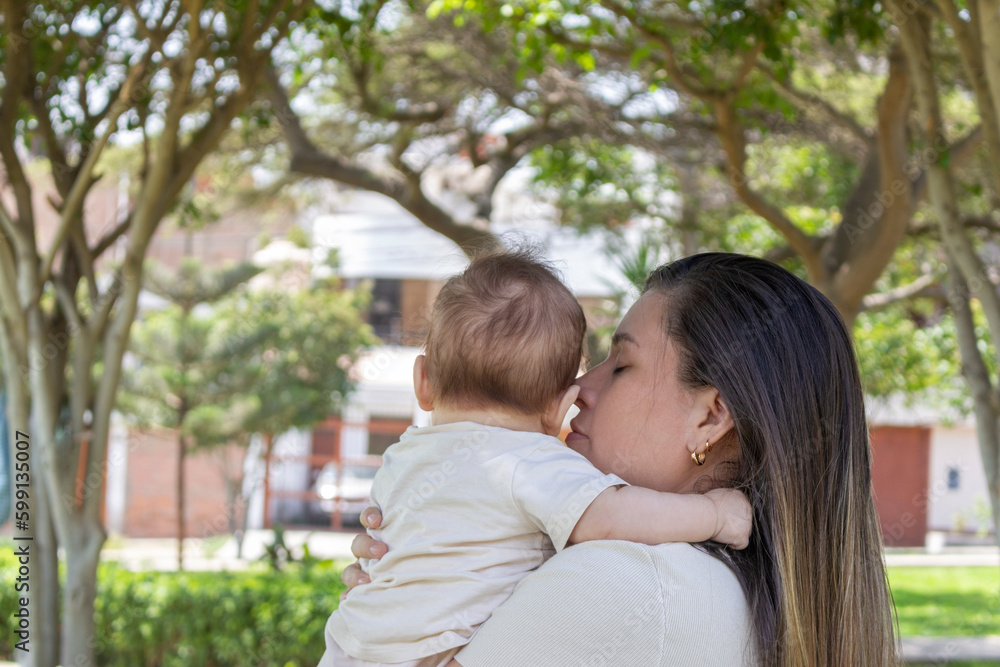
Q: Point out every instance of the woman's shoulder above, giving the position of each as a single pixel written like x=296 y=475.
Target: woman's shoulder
x=671 y=587
x=674 y=559
x=617 y=603
x=679 y=569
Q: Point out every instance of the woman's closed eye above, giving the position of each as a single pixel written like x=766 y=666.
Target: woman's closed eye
x=618 y=369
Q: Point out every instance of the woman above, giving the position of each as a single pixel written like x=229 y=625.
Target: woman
x=716 y=344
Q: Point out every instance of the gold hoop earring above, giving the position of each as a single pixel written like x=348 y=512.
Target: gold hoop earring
x=699 y=459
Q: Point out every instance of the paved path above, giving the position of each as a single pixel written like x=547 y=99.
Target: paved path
x=216 y=554
x=220 y=554
x=950 y=556
x=942 y=650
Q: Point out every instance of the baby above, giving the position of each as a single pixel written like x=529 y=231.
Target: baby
x=477 y=501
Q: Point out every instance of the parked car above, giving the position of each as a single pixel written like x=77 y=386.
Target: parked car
x=346 y=487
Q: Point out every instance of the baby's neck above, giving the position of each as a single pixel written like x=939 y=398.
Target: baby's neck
x=499 y=418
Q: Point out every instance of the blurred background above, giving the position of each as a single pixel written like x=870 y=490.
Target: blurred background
x=223 y=224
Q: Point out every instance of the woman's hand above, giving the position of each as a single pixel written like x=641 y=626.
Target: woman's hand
x=363 y=546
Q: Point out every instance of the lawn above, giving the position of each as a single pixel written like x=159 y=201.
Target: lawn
x=946 y=601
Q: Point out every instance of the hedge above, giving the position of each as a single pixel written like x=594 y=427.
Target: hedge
x=258 y=618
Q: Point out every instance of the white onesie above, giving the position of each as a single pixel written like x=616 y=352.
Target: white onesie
x=467 y=512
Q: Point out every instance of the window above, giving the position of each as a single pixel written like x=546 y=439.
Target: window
x=383 y=432
x=384 y=313
x=954 y=478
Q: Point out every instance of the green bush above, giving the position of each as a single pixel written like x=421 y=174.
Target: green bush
x=258 y=618
x=8 y=598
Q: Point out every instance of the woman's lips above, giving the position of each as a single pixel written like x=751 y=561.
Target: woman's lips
x=574 y=435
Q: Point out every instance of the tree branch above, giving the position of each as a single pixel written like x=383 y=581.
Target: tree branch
x=68 y=304
x=307 y=159
x=880 y=207
x=84 y=259
x=73 y=205
x=747 y=66
x=8 y=280
x=960 y=151
x=915 y=40
x=57 y=156
x=985 y=222
x=16 y=81
x=103 y=306
x=731 y=135
x=977 y=375
x=809 y=101
x=681 y=79
x=927 y=285
x=109 y=239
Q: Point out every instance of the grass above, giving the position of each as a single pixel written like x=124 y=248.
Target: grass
x=946 y=601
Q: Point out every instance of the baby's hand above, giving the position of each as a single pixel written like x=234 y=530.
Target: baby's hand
x=733 y=517
x=363 y=546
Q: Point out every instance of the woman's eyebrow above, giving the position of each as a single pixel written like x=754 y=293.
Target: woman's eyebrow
x=622 y=337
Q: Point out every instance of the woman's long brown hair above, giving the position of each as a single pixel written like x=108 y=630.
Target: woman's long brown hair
x=783 y=362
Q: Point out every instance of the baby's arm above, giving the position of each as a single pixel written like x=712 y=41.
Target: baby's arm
x=636 y=514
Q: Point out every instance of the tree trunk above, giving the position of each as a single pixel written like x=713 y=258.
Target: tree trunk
x=43 y=578
x=989 y=14
x=687 y=178
x=234 y=502
x=181 y=453
x=49 y=516
x=47 y=640
x=984 y=394
x=80 y=594
x=244 y=521
x=268 y=444
x=969 y=275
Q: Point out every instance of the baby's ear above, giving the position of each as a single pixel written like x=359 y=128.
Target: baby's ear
x=421 y=385
x=552 y=420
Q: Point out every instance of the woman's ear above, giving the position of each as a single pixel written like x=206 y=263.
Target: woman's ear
x=552 y=419
x=421 y=385
x=715 y=421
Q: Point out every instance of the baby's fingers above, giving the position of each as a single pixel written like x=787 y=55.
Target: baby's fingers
x=371 y=517
x=366 y=546
x=353 y=576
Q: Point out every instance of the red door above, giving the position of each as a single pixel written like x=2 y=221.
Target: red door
x=900 y=478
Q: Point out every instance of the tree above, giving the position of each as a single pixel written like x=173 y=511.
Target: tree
x=76 y=78
x=492 y=85
x=577 y=90
x=297 y=374
x=973 y=32
x=756 y=74
x=432 y=112
x=179 y=361
x=224 y=361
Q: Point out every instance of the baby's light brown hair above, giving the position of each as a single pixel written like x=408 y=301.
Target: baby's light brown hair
x=505 y=333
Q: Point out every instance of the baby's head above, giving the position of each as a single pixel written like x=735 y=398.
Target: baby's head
x=505 y=335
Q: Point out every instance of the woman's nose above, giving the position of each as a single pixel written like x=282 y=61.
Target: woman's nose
x=588 y=390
